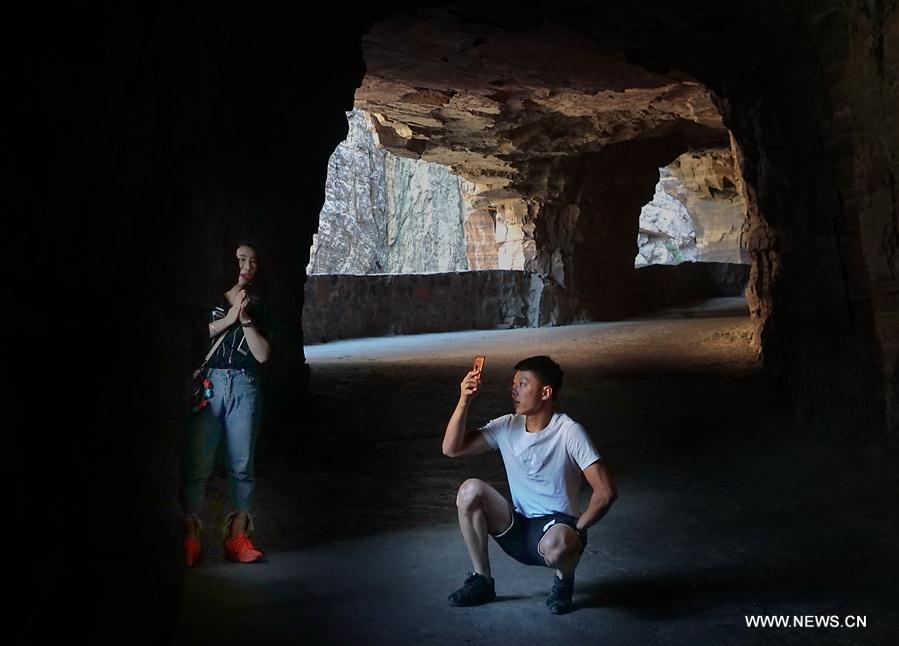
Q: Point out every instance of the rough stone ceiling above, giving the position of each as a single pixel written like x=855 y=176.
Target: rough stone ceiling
x=487 y=100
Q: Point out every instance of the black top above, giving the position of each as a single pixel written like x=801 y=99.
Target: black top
x=234 y=352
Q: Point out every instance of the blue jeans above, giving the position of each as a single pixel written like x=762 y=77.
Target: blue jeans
x=232 y=411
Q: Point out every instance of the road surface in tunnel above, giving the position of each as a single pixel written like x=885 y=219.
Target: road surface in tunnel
x=723 y=510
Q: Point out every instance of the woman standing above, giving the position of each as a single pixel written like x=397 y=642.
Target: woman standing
x=232 y=412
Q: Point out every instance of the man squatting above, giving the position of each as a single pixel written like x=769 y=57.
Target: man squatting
x=544 y=453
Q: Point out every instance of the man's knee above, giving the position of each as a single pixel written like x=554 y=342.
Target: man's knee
x=561 y=544
x=470 y=494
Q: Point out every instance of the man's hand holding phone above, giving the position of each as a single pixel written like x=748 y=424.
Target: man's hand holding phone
x=472 y=381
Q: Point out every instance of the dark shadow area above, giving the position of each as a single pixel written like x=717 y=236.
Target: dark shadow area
x=671 y=596
x=715 y=308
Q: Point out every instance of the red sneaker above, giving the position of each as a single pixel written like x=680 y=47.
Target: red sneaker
x=192 y=550
x=241 y=550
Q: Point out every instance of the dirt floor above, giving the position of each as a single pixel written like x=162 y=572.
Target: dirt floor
x=724 y=510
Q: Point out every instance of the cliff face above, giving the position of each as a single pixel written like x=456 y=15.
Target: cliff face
x=352 y=225
x=425 y=217
x=387 y=214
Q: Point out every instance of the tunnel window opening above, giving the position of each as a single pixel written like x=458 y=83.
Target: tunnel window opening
x=548 y=164
x=387 y=214
x=697 y=213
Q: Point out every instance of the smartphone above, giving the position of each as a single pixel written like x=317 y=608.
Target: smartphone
x=478 y=363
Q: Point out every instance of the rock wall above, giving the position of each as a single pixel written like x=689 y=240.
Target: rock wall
x=340 y=307
x=860 y=64
x=425 y=218
x=480 y=231
x=818 y=158
x=352 y=225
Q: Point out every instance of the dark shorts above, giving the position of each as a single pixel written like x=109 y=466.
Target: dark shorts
x=520 y=540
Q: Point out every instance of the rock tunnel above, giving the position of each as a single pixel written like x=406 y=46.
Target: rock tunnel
x=152 y=140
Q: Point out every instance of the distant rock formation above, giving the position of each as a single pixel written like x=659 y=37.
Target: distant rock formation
x=388 y=214
x=697 y=213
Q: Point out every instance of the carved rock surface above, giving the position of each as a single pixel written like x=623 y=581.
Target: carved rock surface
x=488 y=100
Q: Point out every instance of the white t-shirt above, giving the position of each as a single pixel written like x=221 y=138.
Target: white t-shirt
x=544 y=468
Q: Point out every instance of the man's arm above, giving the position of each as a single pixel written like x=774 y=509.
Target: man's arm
x=458 y=441
x=599 y=477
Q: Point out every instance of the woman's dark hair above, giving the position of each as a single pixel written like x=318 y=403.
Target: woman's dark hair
x=247 y=241
x=548 y=372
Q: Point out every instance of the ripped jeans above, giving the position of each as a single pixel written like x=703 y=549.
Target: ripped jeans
x=232 y=412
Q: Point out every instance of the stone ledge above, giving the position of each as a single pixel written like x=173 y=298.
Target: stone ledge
x=658 y=286
x=348 y=306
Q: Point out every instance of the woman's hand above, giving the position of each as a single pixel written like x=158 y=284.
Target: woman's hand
x=233 y=295
x=238 y=300
x=242 y=312
x=232 y=315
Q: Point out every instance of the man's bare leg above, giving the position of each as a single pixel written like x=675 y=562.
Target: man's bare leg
x=561 y=549
x=482 y=511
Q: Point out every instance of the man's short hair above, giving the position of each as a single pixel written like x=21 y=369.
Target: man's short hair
x=548 y=372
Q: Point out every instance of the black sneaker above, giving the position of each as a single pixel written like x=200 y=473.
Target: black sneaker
x=477 y=589
x=559 y=600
